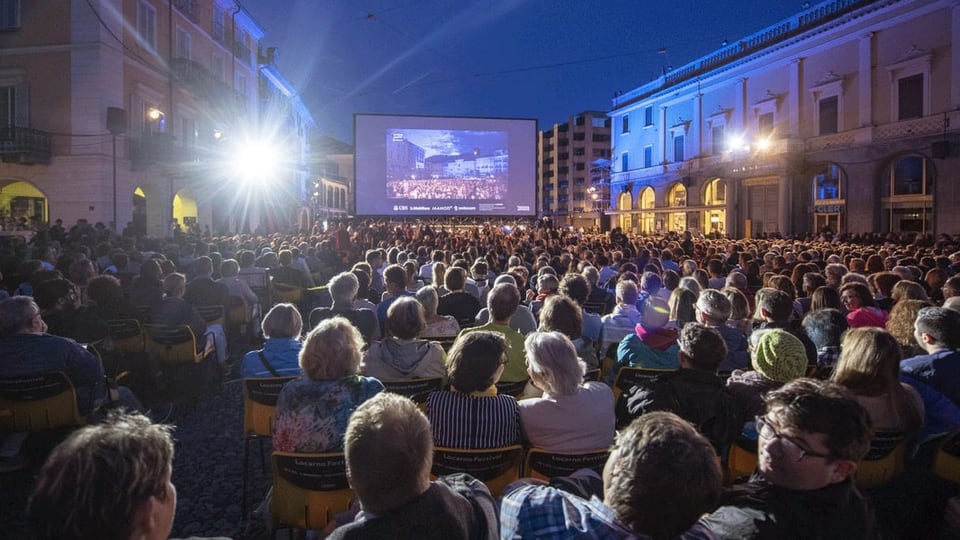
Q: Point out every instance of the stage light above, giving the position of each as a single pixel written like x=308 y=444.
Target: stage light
x=764 y=144
x=255 y=161
x=154 y=114
x=737 y=143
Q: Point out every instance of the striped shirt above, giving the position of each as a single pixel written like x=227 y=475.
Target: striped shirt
x=468 y=421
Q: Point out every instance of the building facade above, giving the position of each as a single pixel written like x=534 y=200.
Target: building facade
x=571 y=187
x=333 y=179
x=121 y=110
x=843 y=118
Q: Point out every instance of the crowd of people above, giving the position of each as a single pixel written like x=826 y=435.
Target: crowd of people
x=448 y=188
x=815 y=352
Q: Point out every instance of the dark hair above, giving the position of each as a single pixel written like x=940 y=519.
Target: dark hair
x=824 y=298
x=502 y=301
x=941 y=324
x=777 y=304
x=105 y=290
x=824 y=407
x=48 y=293
x=474 y=359
x=563 y=315
x=576 y=287
x=395 y=274
x=703 y=347
x=862 y=292
x=455 y=278
x=825 y=327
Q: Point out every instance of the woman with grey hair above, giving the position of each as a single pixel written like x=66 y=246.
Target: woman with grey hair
x=572 y=416
x=438 y=326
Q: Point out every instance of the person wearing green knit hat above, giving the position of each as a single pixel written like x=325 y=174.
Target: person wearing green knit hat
x=777 y=357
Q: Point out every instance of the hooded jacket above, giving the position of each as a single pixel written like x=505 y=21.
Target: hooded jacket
x=654 y=348
x=397 y=359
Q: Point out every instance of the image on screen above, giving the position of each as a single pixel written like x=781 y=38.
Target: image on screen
x=445 y=166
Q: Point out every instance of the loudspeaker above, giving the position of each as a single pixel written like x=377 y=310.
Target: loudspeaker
x=604 y=223
x=940 y=149
x=116 y=120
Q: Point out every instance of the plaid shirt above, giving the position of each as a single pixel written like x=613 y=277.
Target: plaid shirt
x=538 y=511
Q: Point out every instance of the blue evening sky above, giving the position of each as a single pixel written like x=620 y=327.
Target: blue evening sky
x=543 y=59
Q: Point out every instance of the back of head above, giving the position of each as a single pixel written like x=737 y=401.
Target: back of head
x=389 y=452
x=52 y=291
x=775 y=304
x=16 y=314
x=203 y=266
x=778 y=355
x=455 y=279
x=282 y=321
x=627 y=292
x=502 y=301
x=714 y=305
x=552 y=360
x=343 y=288
x=661 y=476
x=95 y=483
x=427 y=296
x=474 y=359
x=824 y=327
x=823 y=407
x=405 y=318
x=655 y=314
x=869 y=362
x=941 y=325
x=575 y=287
x=650 y=283
x=702 y=346
x=331 y=350
x=563 y=315
x=285 y=257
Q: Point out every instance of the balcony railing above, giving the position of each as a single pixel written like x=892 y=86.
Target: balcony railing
x=151 y=148
x=189 y=8
x=25 y=145
x=242 y=52
x=198 y=80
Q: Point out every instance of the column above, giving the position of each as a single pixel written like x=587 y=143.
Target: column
x=783 y=205
x=662 y=121
x=794 y=97
x=865 y=88
x=697 y=135
x=740 y=116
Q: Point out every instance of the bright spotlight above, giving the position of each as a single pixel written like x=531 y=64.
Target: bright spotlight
x=256 y=162
x=735 y=143
x=763 y=144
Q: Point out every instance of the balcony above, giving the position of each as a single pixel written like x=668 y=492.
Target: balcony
x=189 y=8
x=242 y=52
x=151 y=148
x=198 y=80
x=25 y=145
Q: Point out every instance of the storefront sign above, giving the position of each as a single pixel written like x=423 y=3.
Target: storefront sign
x=828 y=208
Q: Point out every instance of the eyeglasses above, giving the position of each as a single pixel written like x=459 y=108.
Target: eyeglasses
x=791 y=448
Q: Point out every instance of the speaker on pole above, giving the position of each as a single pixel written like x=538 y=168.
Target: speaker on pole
x=116 y=120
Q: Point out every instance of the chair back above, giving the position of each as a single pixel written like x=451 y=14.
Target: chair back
x=742 y=459
x=287 y=293
x=595 y=307
x=415 y=389
x=546 y=465
x=212 y=314
x=946 y=463
x=172 y=344
x=495 y=467
x=143 y=313
x=260 y=403
x=883 y=461
x=309 y=490
x=512 y=388
x=38 y=402
x=628 y=377
x=126 y=335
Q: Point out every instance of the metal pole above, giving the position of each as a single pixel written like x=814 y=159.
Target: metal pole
x=115 y=226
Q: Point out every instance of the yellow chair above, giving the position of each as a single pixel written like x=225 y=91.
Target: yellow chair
x=742 y=460
x=38 y=402
x=946 y=464
x=495 y=467
x=309 y=490
x=172 y=345
x=415 y=389
x=628 y=377
x=287 y=293
x=259 y=405
x=512 y=388
x=546 y=465
x=127 y=336
x=883 y=461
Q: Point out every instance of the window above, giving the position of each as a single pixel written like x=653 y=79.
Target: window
x=579 y=136
x=578 y=151
x=648 y=117
x=829 y=109
x=184 y=44
x=625 y=124
x=9 y=14
x=147 y=24
x=599 y=122
x=625 y=161
x=648 y=156
x=13 y=107
x=678 y=148
x=910 y=97
x=216 y=67
x=828 y=183
x=716 y=136
x=910 y=177
x=7 y=107
x=765 y=123
x=907 y=198
x=579 y=121
x=579 y=166
x=218 y=28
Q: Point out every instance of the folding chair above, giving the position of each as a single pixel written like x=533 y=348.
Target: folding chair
x=415 y=389
x=127 y=336
x=212 y=314
x=883 y=461
x=946 y=463
x=259 y=405
x=495 y=467
x=511 y=388
x=628 y=377
x=309 y=490
x=742 y=460
x=597 y=308
x=172 y=345
x=545 y=465
x=38 y=402
x=287 y=293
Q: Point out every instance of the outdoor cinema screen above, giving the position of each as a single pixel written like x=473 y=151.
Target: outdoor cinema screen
x=445 y=166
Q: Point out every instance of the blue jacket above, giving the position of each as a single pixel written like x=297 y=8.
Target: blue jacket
x=282 y=354
x=941 y=370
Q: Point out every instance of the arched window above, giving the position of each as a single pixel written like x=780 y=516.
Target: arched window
x=677 y=196
x=647 y=202
x=715 y=193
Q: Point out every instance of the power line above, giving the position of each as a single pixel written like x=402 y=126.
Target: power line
x=109 y=30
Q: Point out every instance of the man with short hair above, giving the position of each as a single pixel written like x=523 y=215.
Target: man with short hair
x=458 y=303
x=576 y=288
x=694 y=392
x=810 y=440
x=623 y=320
x=202 y=290
x=775 y=308
x=660 y=477
x=107 y=481
x=825 y=328
x=343 y=289
x=501 y=303
x=937 y=331
x=395 y=281
x=389 y=453
x=287 y=274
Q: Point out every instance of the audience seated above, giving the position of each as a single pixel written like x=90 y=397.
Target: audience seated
x=861 y=308
x=522 y=319
x=825 y=328
x=471 y=415
x=777 y=358
x=774 y=310
x=343 y=289
x=389 y=452
x=572 y=416
x=713 y=310
x=622 y=320
x=312 y=411
x=401 y=355
x=502 y=302
x=437 y=326
x=202 y=290
x=59 y=301
x=653 y=345
x=936 y=375
x=458 y=303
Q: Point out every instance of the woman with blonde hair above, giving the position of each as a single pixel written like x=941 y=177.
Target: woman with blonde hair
x=900 y=324
x=739 y=310
x=280 y=355
x=869 y=367
x=437 y=326
x=312 y=411
x=908 y=290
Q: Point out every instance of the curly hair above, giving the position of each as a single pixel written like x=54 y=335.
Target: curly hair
x=331 y=350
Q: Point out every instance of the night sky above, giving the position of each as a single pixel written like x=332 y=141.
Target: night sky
x=543 y=59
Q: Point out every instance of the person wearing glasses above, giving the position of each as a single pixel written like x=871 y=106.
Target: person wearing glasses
x=812 y=437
